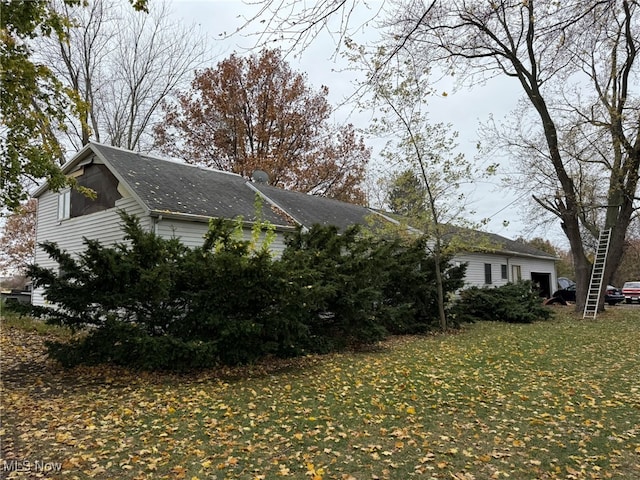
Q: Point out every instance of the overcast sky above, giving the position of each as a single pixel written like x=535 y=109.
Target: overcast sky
x=464 y=109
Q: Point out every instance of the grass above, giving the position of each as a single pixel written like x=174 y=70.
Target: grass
x=556 y=399
x=14 y=320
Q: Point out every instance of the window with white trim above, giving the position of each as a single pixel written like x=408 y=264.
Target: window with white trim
x=516 y=273
x=64 y=204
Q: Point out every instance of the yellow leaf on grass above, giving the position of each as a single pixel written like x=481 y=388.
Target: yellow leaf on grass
x=178 y=472
x=411 y=410
x=62 y=437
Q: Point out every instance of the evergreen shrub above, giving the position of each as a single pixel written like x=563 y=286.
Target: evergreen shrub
x=153 y=303
x=410 y=291
x=337 y=281
x=511 y=303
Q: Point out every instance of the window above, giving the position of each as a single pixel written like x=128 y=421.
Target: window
x=516 y=273
x=64 y=204
x=487 y=273
x=503 y=272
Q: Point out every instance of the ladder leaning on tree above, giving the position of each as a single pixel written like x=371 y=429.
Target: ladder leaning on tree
x=597 y=275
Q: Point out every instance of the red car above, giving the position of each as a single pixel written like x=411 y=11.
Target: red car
x=631 y=292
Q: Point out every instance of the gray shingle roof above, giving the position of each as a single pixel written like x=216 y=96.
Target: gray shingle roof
x=492 y=242
x=507 y=245
x=178 y=188
x=309 y=210
x=173 y=187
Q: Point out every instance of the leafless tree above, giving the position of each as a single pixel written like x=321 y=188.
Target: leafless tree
x=122 y=64
x=576 y=85
x=576 y=64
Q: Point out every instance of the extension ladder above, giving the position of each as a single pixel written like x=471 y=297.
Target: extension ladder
x=597 y=275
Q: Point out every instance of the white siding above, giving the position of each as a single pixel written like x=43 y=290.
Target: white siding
x=191 y=234
x=475 y=275
x=106 y=227
x=69 y=234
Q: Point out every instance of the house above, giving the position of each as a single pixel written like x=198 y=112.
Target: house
x=177 y=200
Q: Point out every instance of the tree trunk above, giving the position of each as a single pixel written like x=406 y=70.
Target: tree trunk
x=439 y=284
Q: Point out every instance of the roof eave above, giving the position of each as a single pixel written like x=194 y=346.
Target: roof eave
x=160 y=214
x=80 y=155
x=512 y=253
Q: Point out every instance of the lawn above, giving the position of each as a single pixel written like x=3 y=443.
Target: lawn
x=557 y=399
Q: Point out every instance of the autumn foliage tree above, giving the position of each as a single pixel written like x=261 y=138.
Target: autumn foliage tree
x=17 y=244
x=255 y=113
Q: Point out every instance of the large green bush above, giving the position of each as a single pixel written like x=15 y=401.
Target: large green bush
x=511 y=303
x=134 y=282
x=224 y=295
x=234 y=294
x=337 y=285
x=126 y=344
x=151 y=302
x=410 y=290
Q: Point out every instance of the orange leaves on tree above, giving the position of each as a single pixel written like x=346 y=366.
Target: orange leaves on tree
x=255 y=113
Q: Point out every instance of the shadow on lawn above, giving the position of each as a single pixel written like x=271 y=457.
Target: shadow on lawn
x=26 y=367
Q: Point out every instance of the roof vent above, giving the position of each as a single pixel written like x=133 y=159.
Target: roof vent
x=260 y=176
